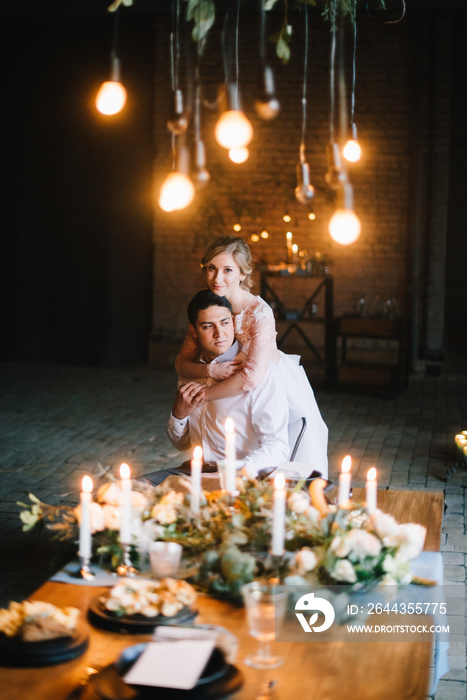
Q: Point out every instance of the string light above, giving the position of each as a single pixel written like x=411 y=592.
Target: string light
x=344 y=225
x=111 y=96
x=239 y=155
x=264 y=233
x=255 y=237
x=237 y=227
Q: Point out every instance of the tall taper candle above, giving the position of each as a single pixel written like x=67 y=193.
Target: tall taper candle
x=196 y=468
x=343 y=496
x=125 y=513
x=278 y=515
x=85 y=522
x=230 y=456
x=371 y=487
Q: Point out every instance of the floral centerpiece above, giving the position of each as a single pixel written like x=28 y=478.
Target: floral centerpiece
x=227 y=543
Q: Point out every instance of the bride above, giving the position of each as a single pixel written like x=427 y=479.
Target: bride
x=228 y=268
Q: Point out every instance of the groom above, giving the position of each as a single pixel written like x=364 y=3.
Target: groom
x=260 y=416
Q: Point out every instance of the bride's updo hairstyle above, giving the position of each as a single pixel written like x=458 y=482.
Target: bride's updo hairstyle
x=240 y=253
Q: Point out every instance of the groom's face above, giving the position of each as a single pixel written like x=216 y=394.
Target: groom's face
x=214 y=330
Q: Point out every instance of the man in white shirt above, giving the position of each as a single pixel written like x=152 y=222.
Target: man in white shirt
x=260 y=416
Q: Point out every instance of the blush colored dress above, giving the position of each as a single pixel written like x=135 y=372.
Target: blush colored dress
x=255 y=329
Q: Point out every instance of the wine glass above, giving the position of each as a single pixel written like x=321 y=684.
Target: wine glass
x=265 y=608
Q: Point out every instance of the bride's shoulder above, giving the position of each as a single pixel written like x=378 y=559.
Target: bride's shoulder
x=259 y=308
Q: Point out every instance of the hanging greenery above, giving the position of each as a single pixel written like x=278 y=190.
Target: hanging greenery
x=203 y=14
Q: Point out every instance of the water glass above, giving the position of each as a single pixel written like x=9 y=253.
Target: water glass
x=165 y=559
x=265 y=608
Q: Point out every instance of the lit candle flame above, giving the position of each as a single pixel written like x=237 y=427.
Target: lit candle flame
x=86 y=484
x=371 y=475
x=124 y=471
x=279 y=481
x=346 y=464
x=198 y=452
x=229 y=425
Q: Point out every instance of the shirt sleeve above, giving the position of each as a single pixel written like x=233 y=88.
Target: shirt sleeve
x=178 y=433
x=269 y=417
x=262 y=348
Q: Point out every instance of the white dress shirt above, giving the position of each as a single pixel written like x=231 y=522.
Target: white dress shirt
x=260 y=417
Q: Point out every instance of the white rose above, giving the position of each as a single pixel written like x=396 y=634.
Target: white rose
x=384 y=524
x=409 y=538
x=111 y=517
x=359 y=543
x=172 y=499
x=138 y=501
x=109 y=493
x=398 y=569
x=344 y=571
x=306 y=560
x=298 y=502
x=164 y=514
x=313 y=516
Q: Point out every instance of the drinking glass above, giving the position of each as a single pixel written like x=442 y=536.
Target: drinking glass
x=165 y=559
x=265 y=609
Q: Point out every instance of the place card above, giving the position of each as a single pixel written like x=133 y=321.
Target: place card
x=160 y=664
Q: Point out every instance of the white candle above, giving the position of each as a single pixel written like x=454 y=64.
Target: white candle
x=125 y=513
x=230 y=456
x=85 y=522
x=344 y=482
x=278 y=515
x=196 y=468
x=288 y=236
x=371 y=487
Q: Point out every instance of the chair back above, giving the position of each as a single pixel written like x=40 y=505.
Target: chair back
x=296 y=431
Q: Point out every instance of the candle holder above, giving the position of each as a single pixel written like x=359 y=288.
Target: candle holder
x=126 y=568
x=84 y=572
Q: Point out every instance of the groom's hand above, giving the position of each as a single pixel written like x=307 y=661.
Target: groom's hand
x=188 y=397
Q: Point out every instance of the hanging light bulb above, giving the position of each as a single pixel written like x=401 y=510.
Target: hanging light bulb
x=311 y=215
x=178 y=121
x=264 y=233
x=177 y=190
x=335 y=175
x=111 y=96
x=304 y=191
x=352 y=150
x=344 y=225
x=239 y=155
x=254 y=237
x=237 y=227
x=201 y=176
x=233 y=129
x=287 y=217
x=267 y=105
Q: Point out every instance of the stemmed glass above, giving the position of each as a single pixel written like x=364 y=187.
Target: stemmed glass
x=265 y=608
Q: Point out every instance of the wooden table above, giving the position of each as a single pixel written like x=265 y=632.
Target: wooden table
x=317 y=671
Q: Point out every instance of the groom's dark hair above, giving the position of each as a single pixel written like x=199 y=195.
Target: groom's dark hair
x=203 y=300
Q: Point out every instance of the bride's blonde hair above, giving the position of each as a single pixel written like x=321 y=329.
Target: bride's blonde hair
x=240 y=252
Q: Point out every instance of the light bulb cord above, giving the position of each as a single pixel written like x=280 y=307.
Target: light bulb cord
x=354 y=72
x=304 y=99
x=332 y=85
x=114 y=60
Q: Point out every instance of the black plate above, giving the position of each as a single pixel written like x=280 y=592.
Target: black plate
x=133 y=624
x=14 y=652
x=218 y=680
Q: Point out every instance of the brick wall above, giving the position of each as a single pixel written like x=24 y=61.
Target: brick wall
x=258 y=192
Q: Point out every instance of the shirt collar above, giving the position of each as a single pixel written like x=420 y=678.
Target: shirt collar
x=228 y=355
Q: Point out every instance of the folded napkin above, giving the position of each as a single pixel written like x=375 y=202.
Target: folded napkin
x=171 y=664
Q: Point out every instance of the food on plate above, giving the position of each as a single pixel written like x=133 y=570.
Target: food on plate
x=37 y=621
x=149 y=598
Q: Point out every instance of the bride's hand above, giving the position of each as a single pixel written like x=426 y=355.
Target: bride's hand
x=223 y=370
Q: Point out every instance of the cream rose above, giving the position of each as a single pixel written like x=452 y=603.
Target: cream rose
x=344 y=571
x=96 y=513
x=384 y=524
x=111 y=517
x=359 y=543
x=298 y=502
x=305 y=560
x=109 y=493
x=409 y=538
x=164 y=514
